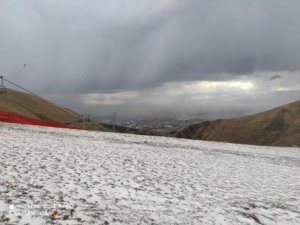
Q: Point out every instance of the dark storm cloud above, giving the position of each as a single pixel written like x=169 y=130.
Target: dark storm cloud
x=240 y=96
x=86 y=46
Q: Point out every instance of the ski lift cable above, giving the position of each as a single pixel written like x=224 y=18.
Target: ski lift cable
x=14 y=84
x=16 y=73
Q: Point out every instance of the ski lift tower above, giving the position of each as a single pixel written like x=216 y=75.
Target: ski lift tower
x=2 y=87
x=1 y=82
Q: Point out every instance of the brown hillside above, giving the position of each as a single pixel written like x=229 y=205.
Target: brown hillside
x=30 y=105
x=278 y=127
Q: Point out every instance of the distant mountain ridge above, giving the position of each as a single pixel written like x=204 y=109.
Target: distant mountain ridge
x=35 y=107
x=276 y=127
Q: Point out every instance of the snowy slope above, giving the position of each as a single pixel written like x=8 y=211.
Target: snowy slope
x=92 y=177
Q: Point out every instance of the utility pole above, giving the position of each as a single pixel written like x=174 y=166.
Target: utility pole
x=83 y=119
x=87 y=117
x=82 y=122
x=114 y=120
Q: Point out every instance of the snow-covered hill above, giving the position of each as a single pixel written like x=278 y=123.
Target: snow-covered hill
x=105 y=178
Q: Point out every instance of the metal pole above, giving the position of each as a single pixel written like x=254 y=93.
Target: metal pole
x=114 y=121
x=82 y=122
x=84 y=119
x=2 y=83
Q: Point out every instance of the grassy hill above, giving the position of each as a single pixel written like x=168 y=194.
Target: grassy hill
x=30 y=105
x=277 y=127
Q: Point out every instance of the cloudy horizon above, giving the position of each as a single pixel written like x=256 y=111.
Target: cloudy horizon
x=144 y=57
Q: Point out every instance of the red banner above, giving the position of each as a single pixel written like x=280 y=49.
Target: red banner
x=15 y=118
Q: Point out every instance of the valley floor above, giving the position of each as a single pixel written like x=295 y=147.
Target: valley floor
x=94 y=177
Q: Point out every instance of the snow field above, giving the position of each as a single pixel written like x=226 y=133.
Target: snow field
x=98 y=178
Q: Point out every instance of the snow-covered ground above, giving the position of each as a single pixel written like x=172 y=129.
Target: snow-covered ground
x=105 y=178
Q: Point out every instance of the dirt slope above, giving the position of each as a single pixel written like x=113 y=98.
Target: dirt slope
x=30 y=105
x=278 y=127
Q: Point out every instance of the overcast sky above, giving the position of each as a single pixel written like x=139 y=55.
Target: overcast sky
x=140 y=57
